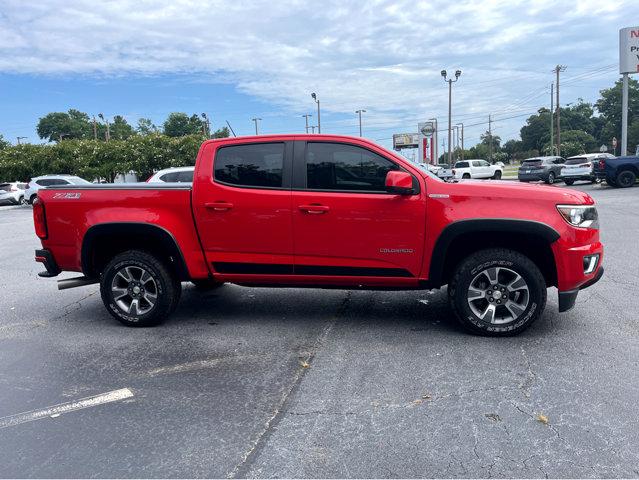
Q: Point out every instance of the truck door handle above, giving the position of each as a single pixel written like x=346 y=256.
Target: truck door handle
x=219 y=206
x=314 y=209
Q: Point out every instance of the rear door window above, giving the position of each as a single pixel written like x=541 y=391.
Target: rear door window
x=461 y=165
x=251 y=165
x=185 y=177
x=169 y=177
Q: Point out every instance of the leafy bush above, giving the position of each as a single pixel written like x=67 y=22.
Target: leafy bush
x=91 y=159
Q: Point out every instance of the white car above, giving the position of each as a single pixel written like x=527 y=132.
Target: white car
x=12 y=193
x=476 y=168
x=36 y=183
x=172 y=175
x=581 y=167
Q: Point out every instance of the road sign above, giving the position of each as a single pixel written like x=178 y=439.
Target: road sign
x=629 y=50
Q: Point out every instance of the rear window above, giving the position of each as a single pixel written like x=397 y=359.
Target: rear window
x=535 y=162
x=461 y=165
x=253 y=165
x=576 y=161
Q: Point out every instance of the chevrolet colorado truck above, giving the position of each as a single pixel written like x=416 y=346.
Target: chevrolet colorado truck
x=322 y=211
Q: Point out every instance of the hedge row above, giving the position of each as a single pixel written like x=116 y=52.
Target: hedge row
x=92 y=159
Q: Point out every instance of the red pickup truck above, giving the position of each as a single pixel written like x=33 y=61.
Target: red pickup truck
x=322 y=211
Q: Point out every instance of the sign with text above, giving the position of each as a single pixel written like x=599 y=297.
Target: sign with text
x=629 y=50
x=405 y=140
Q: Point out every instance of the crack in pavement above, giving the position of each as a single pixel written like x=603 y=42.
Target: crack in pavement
x=257 y=443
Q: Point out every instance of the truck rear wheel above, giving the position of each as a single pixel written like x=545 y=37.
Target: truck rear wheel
x=497 y=292
x=138 y=289
x=626 y=179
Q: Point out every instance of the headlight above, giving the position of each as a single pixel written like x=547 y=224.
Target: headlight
x=584 y=216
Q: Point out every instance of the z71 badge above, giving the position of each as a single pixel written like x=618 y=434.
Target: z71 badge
x=67 y=196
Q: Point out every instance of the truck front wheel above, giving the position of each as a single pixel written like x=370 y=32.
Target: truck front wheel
x=138 y=289
x=497 y=292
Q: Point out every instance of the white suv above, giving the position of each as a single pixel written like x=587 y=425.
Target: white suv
x=476 y=168
x=36 y=183
x=171 y=175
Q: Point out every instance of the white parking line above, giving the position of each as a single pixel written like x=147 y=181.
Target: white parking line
x=61 y=408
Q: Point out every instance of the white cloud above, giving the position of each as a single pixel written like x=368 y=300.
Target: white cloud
x=381 y=55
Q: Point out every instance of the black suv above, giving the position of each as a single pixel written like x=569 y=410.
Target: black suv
x=547 y=169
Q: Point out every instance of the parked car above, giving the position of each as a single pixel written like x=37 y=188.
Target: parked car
x=173 y=175
x=545 y=169
x=442 y=170
x=12 y=193
x=618 y=171
x=581 y=167
x=322 y=211
x=36 y=183
x=476 y=168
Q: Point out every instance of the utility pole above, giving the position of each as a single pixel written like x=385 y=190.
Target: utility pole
x=20 y=138
x=359 y=112
x=319 y=123
x=443 y=149
x=490 y=139
x=552 y=116
x=256 y=120
x=231 y=128
x=306 y=118
x=558 y=69
x=462 y=140
x=95 y=129
x=450 y=102
x=107 y=132
x=207 y=125
x=312 y=128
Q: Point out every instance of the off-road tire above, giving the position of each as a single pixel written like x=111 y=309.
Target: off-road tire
x=626 y=178
x=473 y=265
x=466 y=176
x=167 y=287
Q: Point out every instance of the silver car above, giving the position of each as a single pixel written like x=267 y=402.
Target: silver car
x=36 y=183
x=12 y=193
x=581 y=167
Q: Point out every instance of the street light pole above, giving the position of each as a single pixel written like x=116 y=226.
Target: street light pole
x=256 y=120
x=462 y=140
x=319 y=123
x=20 y=138
x=207 y=126
x=359 y=112
x=434 y=140
x=107 y=133
x=306 y=118
x=450 y=82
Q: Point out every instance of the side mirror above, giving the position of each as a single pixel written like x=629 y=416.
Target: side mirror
x=400 y=183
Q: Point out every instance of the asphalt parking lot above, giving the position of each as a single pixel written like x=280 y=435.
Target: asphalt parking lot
x=247 y=382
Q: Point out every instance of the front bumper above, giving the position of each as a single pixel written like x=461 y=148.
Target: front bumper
x=45 y=257
x=567 y=299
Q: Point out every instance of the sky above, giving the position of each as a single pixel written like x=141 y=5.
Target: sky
x=238 y=60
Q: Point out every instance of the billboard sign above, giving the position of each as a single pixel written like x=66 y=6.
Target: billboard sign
x=405 y=140
x=629 y=50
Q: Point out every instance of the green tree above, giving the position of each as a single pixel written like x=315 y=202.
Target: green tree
x=609 y=107
x=3 y=143
x=179 y=124
x=221 y=133
x=56 y=126
x=120 y=129
x=146 y=127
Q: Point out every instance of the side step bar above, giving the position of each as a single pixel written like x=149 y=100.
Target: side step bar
x=76 y=282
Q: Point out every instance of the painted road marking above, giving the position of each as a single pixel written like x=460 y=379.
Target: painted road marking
x=61 y=408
